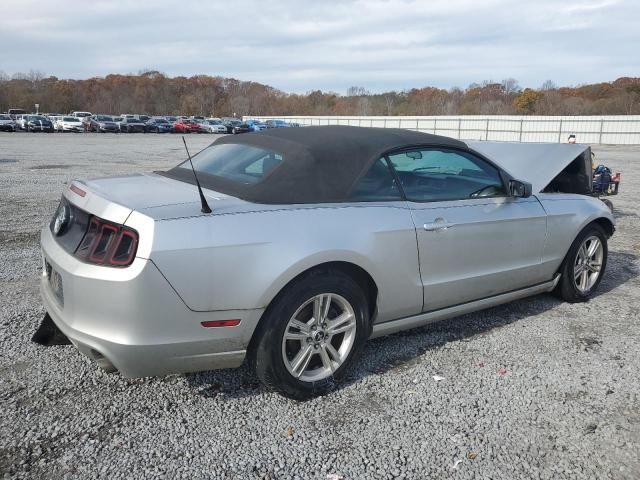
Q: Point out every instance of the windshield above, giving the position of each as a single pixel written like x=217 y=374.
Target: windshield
x=239 y=163
x=36 y=117
x=5 y=117
x=103 y=118
x=71 y=119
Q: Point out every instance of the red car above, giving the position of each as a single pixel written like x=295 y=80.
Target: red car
x=185 y=125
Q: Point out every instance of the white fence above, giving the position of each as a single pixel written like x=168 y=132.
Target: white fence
x=608 y=129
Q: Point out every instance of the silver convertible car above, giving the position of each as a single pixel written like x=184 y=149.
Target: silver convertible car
x=291 y=247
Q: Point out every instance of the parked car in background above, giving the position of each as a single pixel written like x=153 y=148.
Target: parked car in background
x=21 y=120
x=80 y=114
x=54 y=119
x=213 y=126
x=186 y=125
x=182 y=125
x=38 y=123
x=14 y=112
x=69 y=124
x=256 y=125
x=7 y=124
x=132 y=125
x=276 y=124
x=102 y=124
x=236 y=126
x=158 y=125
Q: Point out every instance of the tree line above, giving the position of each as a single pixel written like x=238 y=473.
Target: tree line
x=154 y=93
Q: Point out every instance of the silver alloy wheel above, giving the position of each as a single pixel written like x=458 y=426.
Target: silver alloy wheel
x=588 y=264
x=319 y=337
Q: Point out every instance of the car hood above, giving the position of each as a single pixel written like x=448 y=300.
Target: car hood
x=567 y=166
x=159 y=197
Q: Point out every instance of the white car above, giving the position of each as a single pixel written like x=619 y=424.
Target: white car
x=21 y=121
x=80 y=114
x=69 y=124
x=212 y=126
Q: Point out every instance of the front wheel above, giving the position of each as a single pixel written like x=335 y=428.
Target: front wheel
x=311 y=334
x=584 y=265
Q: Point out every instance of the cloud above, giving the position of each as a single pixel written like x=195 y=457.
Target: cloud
x=304 y=45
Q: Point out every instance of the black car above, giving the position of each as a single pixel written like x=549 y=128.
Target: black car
x=103 y=123
x=38 y=123
x=159 y=125
x=236 y=126
x=132 y=125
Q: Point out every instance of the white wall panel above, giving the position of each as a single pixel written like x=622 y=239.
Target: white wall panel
x=608 y=129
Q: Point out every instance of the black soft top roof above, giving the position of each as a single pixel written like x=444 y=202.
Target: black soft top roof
x=320 y=164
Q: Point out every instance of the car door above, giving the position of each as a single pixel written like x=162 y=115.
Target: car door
x=382 y=221
x=474 y=240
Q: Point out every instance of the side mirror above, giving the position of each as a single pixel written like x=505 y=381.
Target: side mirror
x=519 y=189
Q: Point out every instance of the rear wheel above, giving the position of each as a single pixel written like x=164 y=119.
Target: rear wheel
x=311 y=334
x=584 y=265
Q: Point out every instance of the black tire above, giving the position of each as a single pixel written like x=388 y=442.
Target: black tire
x=567 y=288
x=265 y=353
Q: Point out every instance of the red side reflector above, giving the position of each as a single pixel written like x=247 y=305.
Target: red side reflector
x=220 y=323
x=77 y=190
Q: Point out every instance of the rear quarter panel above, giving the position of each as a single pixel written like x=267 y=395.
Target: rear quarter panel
x=242 y=260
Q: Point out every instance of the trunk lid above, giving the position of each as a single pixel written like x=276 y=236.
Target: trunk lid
x=158 y=197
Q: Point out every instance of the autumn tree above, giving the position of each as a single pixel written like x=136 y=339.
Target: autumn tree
x=526 y=102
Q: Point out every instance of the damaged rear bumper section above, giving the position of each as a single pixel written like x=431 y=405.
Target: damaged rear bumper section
x=132 y=321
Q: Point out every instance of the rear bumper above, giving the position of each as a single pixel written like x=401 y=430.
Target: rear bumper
x=133 y=321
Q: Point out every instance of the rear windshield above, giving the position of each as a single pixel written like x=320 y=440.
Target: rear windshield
x=239 y=163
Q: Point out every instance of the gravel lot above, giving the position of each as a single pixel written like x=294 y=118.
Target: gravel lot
x=533 y=389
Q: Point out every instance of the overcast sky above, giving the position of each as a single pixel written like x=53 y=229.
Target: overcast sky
x=299 y=45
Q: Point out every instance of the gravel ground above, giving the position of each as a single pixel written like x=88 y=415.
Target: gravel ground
x=533 y=389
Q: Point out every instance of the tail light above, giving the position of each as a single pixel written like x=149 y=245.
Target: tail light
x=108 y=244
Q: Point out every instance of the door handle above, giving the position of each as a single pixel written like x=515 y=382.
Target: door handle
x=438 y=225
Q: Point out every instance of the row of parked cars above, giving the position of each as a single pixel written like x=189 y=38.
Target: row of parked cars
x=131 y=123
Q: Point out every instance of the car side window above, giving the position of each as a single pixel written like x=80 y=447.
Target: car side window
x=378 y=184
x=438 y=174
